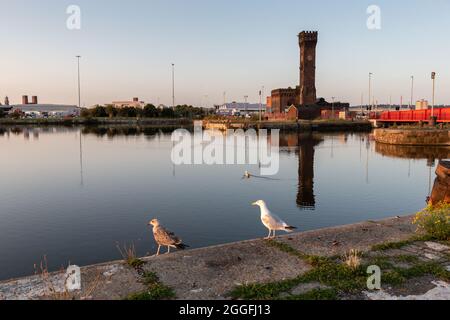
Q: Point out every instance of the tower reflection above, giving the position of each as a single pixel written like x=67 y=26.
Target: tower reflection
x=304 y=144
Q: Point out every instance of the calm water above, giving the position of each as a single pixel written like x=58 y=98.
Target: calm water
x=73 y=200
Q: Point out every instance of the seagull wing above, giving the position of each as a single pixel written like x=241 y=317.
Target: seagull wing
x=272 y=222
x=165 y=237
x=275 y=222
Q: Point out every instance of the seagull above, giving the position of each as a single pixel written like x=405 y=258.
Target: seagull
x=247 y=175
x=271 y=221
x=164 y=237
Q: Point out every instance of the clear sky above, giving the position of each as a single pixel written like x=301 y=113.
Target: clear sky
x=235 y=46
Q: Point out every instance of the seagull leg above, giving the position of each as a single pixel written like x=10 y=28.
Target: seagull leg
x=159 y=249
x=274 y=234
x=270 y=233
x=168 y=250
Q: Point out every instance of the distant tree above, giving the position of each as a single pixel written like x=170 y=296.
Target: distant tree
x=128 y=112
x=111 y=111
x=168 y=113
x=85 y=113
x=150 y=111
x=99 y=112
x=17 y=114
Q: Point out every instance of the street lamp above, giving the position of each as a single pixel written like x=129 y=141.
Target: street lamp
x=370 y=87
x=332 y=107
x=79 y=82
x=260 y=105
x=412 y=92
x=173 y=85
x=433 y=77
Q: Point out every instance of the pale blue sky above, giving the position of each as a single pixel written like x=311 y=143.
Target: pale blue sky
x=235 y=46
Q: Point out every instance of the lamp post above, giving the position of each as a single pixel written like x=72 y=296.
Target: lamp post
x=412 y=92
x=433 y=77
x=173 y=85
x=260 y=106
x=332 y=107
x=79 y=82
x=246 y=99
x=370 y=88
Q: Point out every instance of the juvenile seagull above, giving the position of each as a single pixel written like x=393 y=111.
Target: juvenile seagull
x=164 y=237
x=271 y=221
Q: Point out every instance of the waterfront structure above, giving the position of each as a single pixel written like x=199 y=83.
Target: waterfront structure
x=308 y=43
x=47 y=110
x=305 y=93
x=283 y=98
x=134 y=103
x=240 y=108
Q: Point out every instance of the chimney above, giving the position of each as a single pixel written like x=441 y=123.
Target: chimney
x=34 y=100
x=24 y=99
x=135 y=99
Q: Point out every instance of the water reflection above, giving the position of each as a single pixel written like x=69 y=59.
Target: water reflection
x=413 y=152
x=126 y=181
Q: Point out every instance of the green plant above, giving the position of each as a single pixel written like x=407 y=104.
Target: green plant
x=435 y=221
x=129 y=256
x=155 y=289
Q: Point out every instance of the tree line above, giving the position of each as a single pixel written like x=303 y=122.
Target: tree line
x=149 y=111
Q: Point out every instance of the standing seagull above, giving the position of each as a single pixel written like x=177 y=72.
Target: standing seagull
x=164 y=237
x=271 y=221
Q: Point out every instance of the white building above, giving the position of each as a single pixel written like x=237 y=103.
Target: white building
x=241 y=109
x=135 y=103
x=47 y=110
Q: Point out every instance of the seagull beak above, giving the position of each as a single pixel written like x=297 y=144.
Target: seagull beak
x=254 y=204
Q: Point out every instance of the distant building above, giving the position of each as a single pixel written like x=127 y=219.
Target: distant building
x=422 y=105
x=282 y=99
x=135 y=103
x=47 y=110
x=35 y=110
x=240 y=109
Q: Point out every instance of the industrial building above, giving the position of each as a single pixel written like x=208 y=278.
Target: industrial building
x=35 y=110
x=135 y=103
x=240 y=109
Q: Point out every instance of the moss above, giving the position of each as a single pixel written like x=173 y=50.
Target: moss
x=311 y=259
x=398 y=276
x=155 y=292
x=135 y=263
x=406 y=258
x=391 y=245
x=400 y=244
x=337 y=276
x=316 y=294
x=155 y=289
x=383 y=262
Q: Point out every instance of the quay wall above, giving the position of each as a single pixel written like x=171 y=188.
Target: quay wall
x=413 y=137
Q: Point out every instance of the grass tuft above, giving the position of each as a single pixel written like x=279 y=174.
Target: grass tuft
x=155 y=289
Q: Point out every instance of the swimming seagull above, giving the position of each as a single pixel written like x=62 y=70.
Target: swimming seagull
x=247 y=175
x=164 y=237
x=271 y=221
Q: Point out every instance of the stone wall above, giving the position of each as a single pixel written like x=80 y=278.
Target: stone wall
x=419 y=137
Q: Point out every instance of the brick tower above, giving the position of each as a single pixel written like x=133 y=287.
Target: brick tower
x=308 y=44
